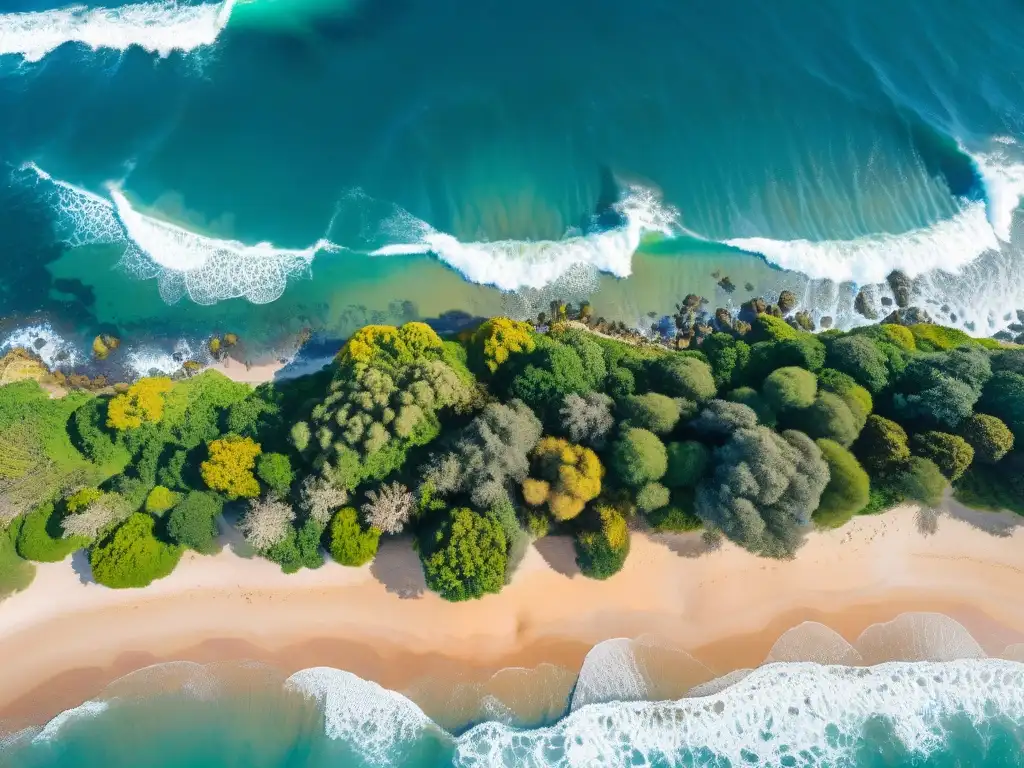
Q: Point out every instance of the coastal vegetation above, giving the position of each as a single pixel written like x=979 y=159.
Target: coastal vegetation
x=753 y=429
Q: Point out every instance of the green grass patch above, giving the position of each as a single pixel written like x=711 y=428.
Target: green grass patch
x=15 y=572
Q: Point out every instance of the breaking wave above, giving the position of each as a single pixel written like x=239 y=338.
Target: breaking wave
x=949 y=245
x=204 y=268
x=514 y=264
x=157 y=27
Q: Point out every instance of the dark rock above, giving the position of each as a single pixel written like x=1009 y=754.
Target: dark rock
x=886 y=301
x=692 y=301
x=774 y=310
x=804 y=321
x=945 y=308
x=908 y=316
x=826 y=322
x=952 y=317
x=39 y=343
x=727 y=284
x=748 y=286
x=716 y=274
x=863 y=303
x=749 y=310
x=1020 y=315
x=177 y=357
x=741 y=327
x=723 y=319
x=1016 y=327
x=970 y=326
x=1002 y=336
x=787 y=302
x=901 y=288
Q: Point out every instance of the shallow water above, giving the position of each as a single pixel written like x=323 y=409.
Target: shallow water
x=305 y=164
x=634 y=702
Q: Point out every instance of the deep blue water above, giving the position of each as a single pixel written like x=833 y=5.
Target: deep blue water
x=309 y=156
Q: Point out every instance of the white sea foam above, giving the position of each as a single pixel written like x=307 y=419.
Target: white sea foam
x=157 y=27
x=1004 y=183
x=144 y=360
x=87 y=710
x=514 y=264
x=775 y=711
x=373 y=719
x=55 y=351
x=204 y=268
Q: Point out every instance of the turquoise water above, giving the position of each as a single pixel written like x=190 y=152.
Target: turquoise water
x=959 y=713
x=272 y=165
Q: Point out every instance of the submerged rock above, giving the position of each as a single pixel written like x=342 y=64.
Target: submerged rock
x=726 y=284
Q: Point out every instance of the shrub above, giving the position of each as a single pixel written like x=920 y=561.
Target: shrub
x=229 y=468
x=389 y=508
x=945 y=401
x=1003 y=397
x=856 y=397
x=687 y=463
x=497 y=339
x=621 y=383
x=160 y=499
x=828 y=417
x=565 y=477
x=899 y=335
x=763 y=489
x=516 y=537
x=81 y=499
x=990 y=438
x=132 y=556
x=677 y=517
x=638 y=457
x=728 y=357
x=467 y=556
x=601 y=553
x=922 y=481
x=679 y=376
x=108 y=510
x=320 y=500
x=651 y=497
x=751 y=398
x=654 y=412
x=555 y=371
x=143 y=403
x=192 y=523
x=351 y=544
x=266 y=523
x=721 y=418
x=929 y=337
x=40 y=537
x=789 y=388
x=771 y=328
x=176 y=473
x=275 y=469
x=848 y=488
x=951 y=453
x=862 y=360
x=589 y=352
x=587 y=418
x=385 y=346
x=804 y=351
x=492 y=451
x=882 y=446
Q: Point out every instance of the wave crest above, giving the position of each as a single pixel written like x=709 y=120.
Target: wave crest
x=158 y=27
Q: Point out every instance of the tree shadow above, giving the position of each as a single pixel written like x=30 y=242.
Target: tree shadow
x=559 y=553
x=1001 y=524
x=80 y=565
x=398 y=568
x=689 y=545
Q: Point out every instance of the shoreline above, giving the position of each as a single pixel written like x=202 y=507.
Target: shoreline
x=726 y=609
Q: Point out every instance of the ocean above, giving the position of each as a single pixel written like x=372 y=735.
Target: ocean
x=173 y=169
x=619 y=710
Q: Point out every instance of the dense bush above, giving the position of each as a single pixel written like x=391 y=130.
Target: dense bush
x=687 y=463
x=587 y=418
x=883 y=445
x=952 y=454
x=751 y=398
x=601 y=553
x=275 y=469
x=651 y=497
x=721 y=418
x=789 y=388
x=132 y=556
x=1003 y=397
x=728 y=358
x=679 y=376
x=564 y=477
x=763 y=489
x=192 y=523
x=921 y=481
x=229 y=467
x=466 y=556
x=41 y=538
x=350 y=543
x=160 y=499
x=143 y=403
x=15 y=572
x=770 y=328
x=856 y=397
x=497 y=339
x=990 y=438
x=860 y=359
x=828 y=417
x=677 y=517
x=654 y=412
x=638 y=457
x=848 y=488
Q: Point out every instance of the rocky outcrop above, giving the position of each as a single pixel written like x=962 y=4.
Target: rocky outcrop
x=901 y=288
x=20 y=364
x=103 y=345
x=826 y=322
x=908 y=316
x=864 y=302
x=787 y=302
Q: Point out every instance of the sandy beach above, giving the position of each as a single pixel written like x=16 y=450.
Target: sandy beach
x=64 y=638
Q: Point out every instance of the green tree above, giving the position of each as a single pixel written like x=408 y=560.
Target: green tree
x=351 y=543
x=654 y=412
x=1003 y=397
x=160 y=499
x=720 y=418
x=828 y=417
x=651 y=497
x=192 y=523
x=951 y=453
x=990 y=438
x=751 y=398
x=466 y=557
x=848 y=486
x=275 y=469
x=41 y=539
x=859 y=358
x=856 y=397
x=638 y=457
x=883 y=445
x=728 y=357
x=679 y=376
x=789 y=388
x=601 y=551
x=687 y=463
x=922 y=481
x=132 y=556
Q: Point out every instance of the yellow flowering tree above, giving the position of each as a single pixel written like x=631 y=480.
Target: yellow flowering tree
x=230 y=466
x=143 y=403
x=499 y=337
x=564 y=476
x=390 y=346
